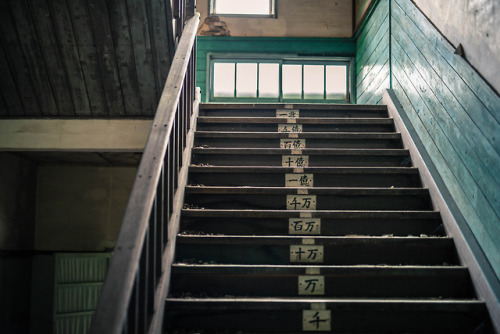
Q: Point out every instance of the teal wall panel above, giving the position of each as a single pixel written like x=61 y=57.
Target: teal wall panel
x=372 y=56
x=307 y=47
x=457 y=117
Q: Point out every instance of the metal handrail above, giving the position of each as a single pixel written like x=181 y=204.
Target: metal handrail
x=137 y=282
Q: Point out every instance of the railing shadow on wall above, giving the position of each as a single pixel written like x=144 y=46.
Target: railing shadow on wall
x=137 y=283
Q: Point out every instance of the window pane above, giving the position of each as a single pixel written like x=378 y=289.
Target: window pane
x=314 y=81
x=336 y=82
x=269 y=80
x=292 y=81
x=246 y=80
x=245 y=7
x=224 y=79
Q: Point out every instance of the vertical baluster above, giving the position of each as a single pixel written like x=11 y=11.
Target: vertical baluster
x=133 y=309
x=161 y=224
x=143 y=284
x=151 y=254
x=180 y=117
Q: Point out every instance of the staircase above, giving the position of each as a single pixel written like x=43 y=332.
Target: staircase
x=312 y=218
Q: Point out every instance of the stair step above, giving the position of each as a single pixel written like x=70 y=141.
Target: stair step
x=282 y=198
x=345 y=110
x=247 y=315
x=296 y=158
x=270 y=124
x=194 y=280
x=273 y=250
x=316 y=176
x=311 y=139
x=332 y=223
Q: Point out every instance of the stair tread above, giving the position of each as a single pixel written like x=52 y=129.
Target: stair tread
x=292 y=239
x=314 y=213
x=304 y=151
x=304 y=120
x=399 y=304
x=307 y=135
x=300 y=106
x=316 y=170
x=247 y=190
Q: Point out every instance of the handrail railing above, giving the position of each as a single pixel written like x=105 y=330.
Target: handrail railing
x=133 y=296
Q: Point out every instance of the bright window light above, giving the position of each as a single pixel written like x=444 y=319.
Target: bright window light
x=243 y=7
x=336 y=82
x=246 y=80
x=269 y=80
x=314 y=81
x=224 y=79
x=292 y=81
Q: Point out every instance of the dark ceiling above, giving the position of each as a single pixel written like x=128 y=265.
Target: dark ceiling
x=83 y=58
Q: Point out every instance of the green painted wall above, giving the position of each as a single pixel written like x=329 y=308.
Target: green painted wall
x=457 y=117
x=454 y=111
x=311 y=47
x=372 y=56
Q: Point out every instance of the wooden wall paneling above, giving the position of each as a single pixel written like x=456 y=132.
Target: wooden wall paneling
x=376 y=86
x=50 y=48
x=369 y=70
x=478 y=154
x=377 y=46
x=380 y=11
x=376 y=96
x=143 y=55
x=474 y=108
x=12 y=101
x=88 y=57
x=70 y=56
x=17 y=61
x=120 y=28
x=158 y=29
x=372 y=40
x=478 y=85
x=406 y=94
x=459 y=153
x=31 y=48
x=99 y=19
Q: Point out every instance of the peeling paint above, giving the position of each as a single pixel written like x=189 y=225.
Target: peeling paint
x=213 y=26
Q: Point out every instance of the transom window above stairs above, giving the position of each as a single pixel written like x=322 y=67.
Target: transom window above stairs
x=279 y=80
x=260 y=8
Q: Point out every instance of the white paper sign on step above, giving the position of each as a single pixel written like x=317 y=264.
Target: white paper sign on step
x=306 y=254
x=301 y=202
x=304 y=226
x=299 y=180
x=292 y=143
x=287 y=113
x=310 y=285
x=295 y=161
x=316 y=320
x=290 y=128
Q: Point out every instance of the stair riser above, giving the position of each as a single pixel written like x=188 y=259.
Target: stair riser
x=342 y=321
x=329 y=227
x=344 y=284
x=323 y=202
x=310 y=143
x=314 y=160
x=420 y=253
x=319 y=180
x=304 y=113
x=305 y=128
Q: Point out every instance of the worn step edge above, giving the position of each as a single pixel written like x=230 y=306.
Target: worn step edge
x=348 y=191
x=305 y=135
x=308 y=120
x=313 y=170
x=300 y=106
x=305 y=151
x=402 y=214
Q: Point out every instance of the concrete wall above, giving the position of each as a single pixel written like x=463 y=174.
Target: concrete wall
x=17 y=202
x=80 y=208
x=476 y=25
x=296 y=18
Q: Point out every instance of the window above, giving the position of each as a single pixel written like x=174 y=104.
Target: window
x=279 y=80
x=259 y=8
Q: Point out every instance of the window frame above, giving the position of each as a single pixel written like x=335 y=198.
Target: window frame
x=280 y=59
x=272 y=10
